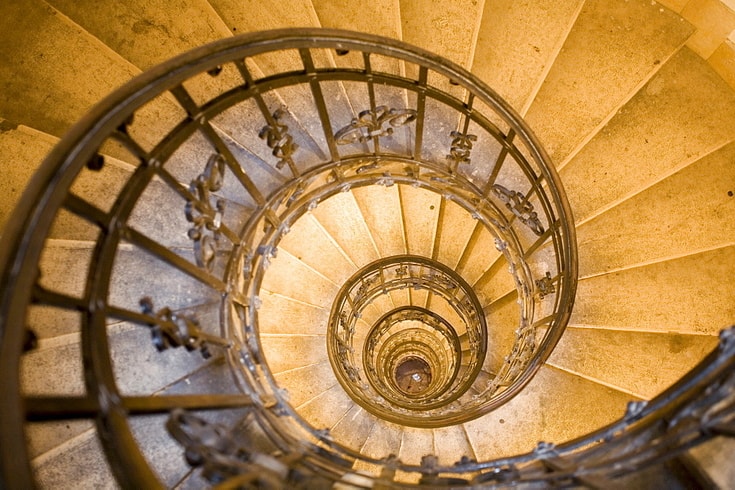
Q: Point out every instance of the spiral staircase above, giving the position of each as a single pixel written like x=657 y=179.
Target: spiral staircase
x=323 y=259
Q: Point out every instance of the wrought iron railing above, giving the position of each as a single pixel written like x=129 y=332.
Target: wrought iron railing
x=207 y=161
x=364 y=359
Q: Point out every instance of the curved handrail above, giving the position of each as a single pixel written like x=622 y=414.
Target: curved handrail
x=111 y=125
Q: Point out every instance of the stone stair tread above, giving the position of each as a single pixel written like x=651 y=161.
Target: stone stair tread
x=667 y=220
x=52 y=99
x=611 y=50
x=451 y=444
x=382 y=212
x=283 y=315
x=420 y=215
x=328 y=408
x=384 y=439
x=415 y=443
x=309 y=243
x=454 y=230
x=518 y=43
x=60 y=469
x=285 y=352
x=167 y=286
x=641 y=363
x=535 y=414
x=683 y=285
x=290 y=277
x=354 y=428
x=140 y=369
x=383 y=15
x=306 y=383
x=681 y=114
x=158 y=35
x=23 y=149
x=458 y=21
x=341 y=217
x=623 y=342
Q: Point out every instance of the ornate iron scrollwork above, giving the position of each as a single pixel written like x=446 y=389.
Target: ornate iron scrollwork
x=520 y=207
x=278 y=138
x=205 y=217
x=176 y=330
x=370 y=124
x=225 y=457
x=545 y=286
x=461 y=149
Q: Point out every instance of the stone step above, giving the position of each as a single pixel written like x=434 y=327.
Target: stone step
x=517 y=45
x=353 y=429
x=642 y=364
x=381 y=209
x=23 y=149
x=556 y=406
x=683 y=214
x=287 y=352
x=43 y=87
x=681 y=115
x=62 y=445
x=290 y=277
x=309 y=242
x=341 y=217
x=608 y=55
x=307 y=383
x=158 y=35
x=690 y=294
x=327 y=409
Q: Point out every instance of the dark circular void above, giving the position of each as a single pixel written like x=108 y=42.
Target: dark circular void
x=413 y=376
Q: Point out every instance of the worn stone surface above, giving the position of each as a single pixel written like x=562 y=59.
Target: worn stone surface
x=342 y=218
x=284 y=352
x=415 y=443
x=480 y=257
x=384 y=439
x=420 y=212
x=518 y=42
x=683 y=214
x=136 y=273
x=145 y=32
x=241 y=17
x=451 y=443
x=60 y=468
x=324 y=411
x=22 y=149
x=40 y=84
x=723 y=62
x=551 y=393
x=162 y=452
x=381 y=209
x=715 y=457
x=308 y=242
x=641 y=363
x=281 y=314
x=638 y=204
x=611 y=50
x=290 y=277
x=683 y=113
x=307 y=383
x=453 y=231
x=140 y=369
x=692 y=294
x=354 y=427
x=384 y=16
x=457 y=21
x=64 y=358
